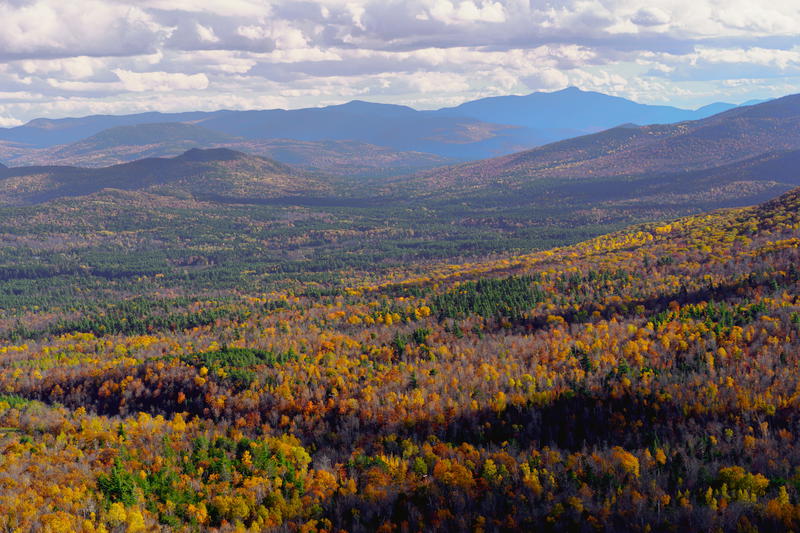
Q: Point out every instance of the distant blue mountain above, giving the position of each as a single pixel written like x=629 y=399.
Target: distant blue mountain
x=474 y=130
x=754 y=102
x=397 y=127
x=575 y=110
x=715 y=108
x=752 y=143
x=45 y=132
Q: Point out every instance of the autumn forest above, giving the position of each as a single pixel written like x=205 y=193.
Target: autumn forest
x=599 y=334
x=645 y=380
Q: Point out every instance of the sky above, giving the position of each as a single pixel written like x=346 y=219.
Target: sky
x=78 y=57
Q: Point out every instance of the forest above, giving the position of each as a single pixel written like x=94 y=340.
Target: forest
x=645 y=379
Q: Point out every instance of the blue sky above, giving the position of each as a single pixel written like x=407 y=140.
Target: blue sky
x=70 y=58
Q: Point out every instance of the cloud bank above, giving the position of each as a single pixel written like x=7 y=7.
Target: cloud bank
x=116 y=56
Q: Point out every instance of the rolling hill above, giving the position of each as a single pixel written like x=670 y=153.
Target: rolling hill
x=124 y=144
x=127 y=143
x=220 y=172
x=660 y=152
x=344 y=158
x=45 y=132
x=619 y=176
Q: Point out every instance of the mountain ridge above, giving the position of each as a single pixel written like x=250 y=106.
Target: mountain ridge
x=577 y=110
x=123 y=144
x=733 y=135
x=219 y=171
x=457 y=132
x=740 y=155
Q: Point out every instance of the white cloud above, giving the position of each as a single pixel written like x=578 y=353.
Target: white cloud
x=224 y=61
x=288 y=37
x=18 y=95
x=74 y=68
x=285 y=36
x=298 y=55
x=85 y=86
x=161 y=81
x=70 y=55
x=226 y=8
x=8 y=122
x=781 y=59
x=606 y=82
x=650 y=16
x=759 y=17
x=454 y=12
x=438 y=82
x=206 y=33
x=357 y=13
x=254 y=33
x=547 y=79
x=86 y=27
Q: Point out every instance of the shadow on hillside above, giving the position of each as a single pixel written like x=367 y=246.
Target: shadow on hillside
x=729 y=292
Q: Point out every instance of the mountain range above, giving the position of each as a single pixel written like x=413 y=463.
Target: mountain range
x=740 y=156
x=395 y=138
x=122 y=144
x=573 y=111
x=756 y=143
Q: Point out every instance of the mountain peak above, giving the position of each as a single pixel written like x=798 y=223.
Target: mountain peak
x=217 y=172
x=570 y=90
x=152 y=133
x=373 y=107
x=211 y=156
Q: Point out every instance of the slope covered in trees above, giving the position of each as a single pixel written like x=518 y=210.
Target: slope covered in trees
x=219 y=171
x=642 y=152
x=645 y=380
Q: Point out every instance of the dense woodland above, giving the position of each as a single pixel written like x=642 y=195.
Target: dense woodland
x=645 y=380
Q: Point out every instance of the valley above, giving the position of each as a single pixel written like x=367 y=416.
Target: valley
x=622 y=379
x=202 y=331
x=202 y=219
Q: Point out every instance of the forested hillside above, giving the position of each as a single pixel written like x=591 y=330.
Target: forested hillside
x=217 y=172
x=641 y=153
x=645 y=380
